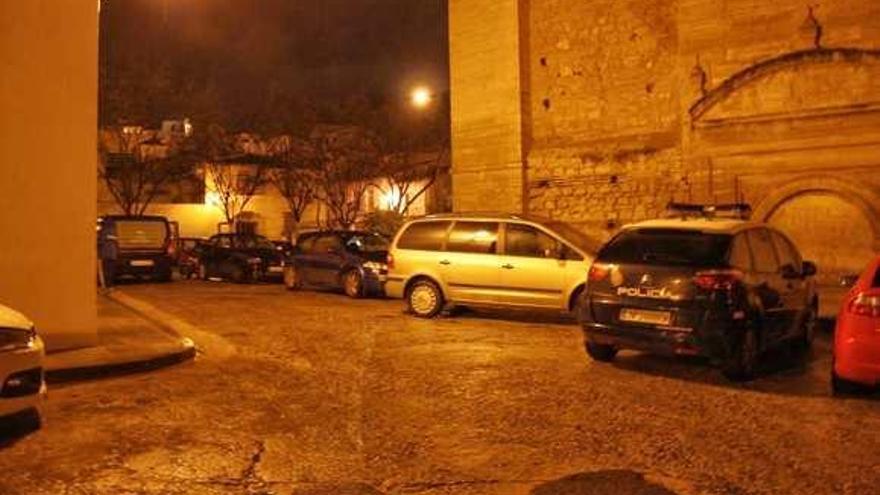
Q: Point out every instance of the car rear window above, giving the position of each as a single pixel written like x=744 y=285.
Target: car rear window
x=141 y=234
x=424 y=236
x=666 y=247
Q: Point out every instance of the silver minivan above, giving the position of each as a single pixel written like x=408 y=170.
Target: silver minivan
x=487 y=260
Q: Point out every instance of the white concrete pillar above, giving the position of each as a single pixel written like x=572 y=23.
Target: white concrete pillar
x=48 y=132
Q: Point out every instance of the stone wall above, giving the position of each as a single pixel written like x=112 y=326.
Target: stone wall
x=628 y=104
x=487 y=94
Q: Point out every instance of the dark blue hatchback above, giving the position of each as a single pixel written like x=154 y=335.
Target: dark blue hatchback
x=351 y=261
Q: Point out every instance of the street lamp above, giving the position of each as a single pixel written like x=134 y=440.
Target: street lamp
x=421 y=97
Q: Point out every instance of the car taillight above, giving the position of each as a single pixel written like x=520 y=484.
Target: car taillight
x=389 y=260
x=717 y=279
x=599 y=272
x=865 y=305
x=170 y=249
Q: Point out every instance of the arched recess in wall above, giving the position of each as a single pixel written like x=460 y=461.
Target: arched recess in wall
x=710 y=108
x=790 y=124
x=834 y=221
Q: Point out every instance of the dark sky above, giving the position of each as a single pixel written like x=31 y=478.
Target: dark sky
x=252 y=53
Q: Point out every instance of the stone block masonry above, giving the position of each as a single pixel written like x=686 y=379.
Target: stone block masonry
x=623 y=105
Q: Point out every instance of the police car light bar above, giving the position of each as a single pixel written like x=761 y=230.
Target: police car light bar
x=728 y=210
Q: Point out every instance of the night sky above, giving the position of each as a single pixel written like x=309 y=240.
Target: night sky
x=240 y=61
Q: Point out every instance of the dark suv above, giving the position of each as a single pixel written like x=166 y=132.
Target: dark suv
x=722 y=288
x=240 y=258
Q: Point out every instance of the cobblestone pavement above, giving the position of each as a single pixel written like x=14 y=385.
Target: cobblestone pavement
x=311 y=393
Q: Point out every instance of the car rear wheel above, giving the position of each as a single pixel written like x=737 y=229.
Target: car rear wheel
x=353 y=284
x=839 y=386
x=601 y=352
x=291 y=278
x=808 y=329
x=424 y=299
x=743 y=361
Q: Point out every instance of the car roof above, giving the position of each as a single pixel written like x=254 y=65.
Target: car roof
x=707 y=225
x=336 y=232
x=152 y=218
x=484 y=215
x=10 y=318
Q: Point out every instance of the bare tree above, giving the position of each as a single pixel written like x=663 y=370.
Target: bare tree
x=348 y=161
x=295 y=175
x=233 y=178
x=134 y=176
x=234 y=185
x=410 y=175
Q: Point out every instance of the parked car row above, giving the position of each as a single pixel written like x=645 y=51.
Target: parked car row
x=703 y=282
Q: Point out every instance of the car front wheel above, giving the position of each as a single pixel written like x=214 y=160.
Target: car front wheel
x=808 y=329
x=742 y=364
x=424 y=299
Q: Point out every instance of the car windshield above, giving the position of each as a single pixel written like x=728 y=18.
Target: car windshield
x=254 y=242
x=666 y=247
x=367 y=243
x=575 y=236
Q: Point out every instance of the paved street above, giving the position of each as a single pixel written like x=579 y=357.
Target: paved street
x=311 y=393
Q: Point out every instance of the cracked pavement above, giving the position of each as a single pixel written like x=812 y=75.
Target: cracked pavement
x=324 y=395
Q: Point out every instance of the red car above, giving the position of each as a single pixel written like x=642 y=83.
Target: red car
x=857 y=336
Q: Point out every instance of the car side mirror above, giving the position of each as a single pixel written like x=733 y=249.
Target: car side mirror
x=809 y=269
x=788 y=271
x=848 y=280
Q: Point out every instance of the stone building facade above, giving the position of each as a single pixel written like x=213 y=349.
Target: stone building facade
x=599 y=112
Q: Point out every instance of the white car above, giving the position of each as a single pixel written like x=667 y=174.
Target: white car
x=22 y=387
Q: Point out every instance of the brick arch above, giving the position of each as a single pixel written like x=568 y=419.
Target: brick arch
x=866 y=200
x=767 y=68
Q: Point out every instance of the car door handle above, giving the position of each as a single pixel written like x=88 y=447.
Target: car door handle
x=445 y=262
x=507 y=266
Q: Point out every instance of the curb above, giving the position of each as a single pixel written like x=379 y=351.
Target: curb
x=208 y=343
x=187 y=352
x=184 y=348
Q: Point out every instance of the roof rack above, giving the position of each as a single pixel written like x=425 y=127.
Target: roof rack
x=740 y=211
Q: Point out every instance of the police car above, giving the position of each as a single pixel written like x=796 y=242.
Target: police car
x=704 y=281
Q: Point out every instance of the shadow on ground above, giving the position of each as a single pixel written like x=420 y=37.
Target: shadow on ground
x=610 y=482
x=17 y=427
x=781 y=371
x=519 y=315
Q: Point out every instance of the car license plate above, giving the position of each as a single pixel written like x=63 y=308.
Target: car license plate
x=646 y=316
x=276 y=269
x=142 y=263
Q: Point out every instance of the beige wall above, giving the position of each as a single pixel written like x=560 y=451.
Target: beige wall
x=48 y=97
x=487 y=118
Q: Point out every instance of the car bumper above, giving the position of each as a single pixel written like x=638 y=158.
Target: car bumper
x=394 y=287
x=374 y=283
x=140 y=265
x=857 y=358
x=659 y=340
x=17 y=392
